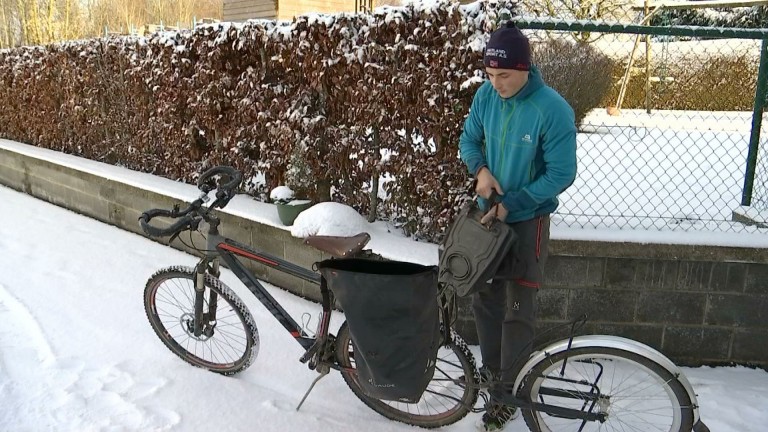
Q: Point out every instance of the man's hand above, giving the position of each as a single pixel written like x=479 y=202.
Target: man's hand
x=498 y=211
x=486 y=182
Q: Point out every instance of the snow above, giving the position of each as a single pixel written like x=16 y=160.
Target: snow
x=471 y=82
x=329 y=218
x=299 y=202
x=281 y=193
x=77 y=354
x=673 y=177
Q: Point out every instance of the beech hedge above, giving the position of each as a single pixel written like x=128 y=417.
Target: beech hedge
x=357 y=97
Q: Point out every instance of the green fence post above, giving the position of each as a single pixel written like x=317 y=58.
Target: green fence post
x=757 y=120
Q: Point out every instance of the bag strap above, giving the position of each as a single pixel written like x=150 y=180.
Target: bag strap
x=495 y=199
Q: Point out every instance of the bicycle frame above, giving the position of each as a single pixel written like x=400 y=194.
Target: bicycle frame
x=228 y=250
x=322 y=350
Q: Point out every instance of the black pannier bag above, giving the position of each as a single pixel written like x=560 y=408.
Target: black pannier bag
x=471 y=252
x=392 y=312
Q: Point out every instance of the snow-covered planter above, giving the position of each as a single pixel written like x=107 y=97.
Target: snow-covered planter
x=288 y=206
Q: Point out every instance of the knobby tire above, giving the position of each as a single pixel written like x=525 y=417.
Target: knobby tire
x=233 y=342
x=449 y=397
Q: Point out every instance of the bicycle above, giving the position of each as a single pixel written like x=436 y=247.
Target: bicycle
x=567 y=385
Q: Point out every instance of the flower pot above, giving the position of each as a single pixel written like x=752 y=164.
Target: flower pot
x=287 y=212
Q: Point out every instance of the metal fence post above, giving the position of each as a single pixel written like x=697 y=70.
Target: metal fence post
x=757 y=120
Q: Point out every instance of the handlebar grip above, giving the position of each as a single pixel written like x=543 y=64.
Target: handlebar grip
x=154 y=231
x=187 y=217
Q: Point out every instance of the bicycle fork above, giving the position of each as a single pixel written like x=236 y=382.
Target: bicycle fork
x=202 y=318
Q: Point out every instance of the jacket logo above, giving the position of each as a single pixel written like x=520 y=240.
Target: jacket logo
x=527 y=138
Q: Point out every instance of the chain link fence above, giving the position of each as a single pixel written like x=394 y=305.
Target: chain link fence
x=669 y=144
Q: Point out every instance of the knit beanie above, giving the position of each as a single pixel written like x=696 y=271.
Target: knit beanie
x=508 y=48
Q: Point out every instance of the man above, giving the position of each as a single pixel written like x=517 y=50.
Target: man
x=519 y=140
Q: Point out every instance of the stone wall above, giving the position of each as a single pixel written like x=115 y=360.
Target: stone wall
x=694 y=311
x=697 y=304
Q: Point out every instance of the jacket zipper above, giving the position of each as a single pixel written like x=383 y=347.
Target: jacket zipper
x=504 y=133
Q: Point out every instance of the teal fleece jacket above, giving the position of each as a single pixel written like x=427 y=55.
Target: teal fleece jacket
x=527 y=141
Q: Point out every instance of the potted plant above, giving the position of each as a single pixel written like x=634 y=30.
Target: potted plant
x=288 y=206
x=293 y=197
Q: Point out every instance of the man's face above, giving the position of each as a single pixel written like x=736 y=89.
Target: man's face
x=507 y=82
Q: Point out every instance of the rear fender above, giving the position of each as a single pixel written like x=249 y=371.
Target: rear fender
x=604 y=341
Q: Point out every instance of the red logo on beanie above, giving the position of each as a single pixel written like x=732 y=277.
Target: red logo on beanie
x=493 y=63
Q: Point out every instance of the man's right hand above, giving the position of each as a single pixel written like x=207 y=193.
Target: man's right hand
x=486 y=183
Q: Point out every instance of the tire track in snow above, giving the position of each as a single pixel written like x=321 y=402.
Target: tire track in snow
x=64 y=395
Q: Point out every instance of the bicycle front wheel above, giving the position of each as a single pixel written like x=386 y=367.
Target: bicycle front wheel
x=632 y=392
x=228 y=342
x=449 y=397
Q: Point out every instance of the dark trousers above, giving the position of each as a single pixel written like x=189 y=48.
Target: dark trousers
x=505 y=310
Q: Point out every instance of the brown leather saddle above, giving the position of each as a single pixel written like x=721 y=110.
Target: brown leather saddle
x=339 y=247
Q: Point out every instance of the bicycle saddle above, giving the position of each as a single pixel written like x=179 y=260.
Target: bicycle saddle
x=339 y=247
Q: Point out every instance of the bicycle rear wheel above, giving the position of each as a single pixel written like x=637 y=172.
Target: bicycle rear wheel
x=229 y=343
x=634 y=393
x=449 y=396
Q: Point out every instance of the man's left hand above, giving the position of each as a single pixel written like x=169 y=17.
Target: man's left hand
x=498 y=211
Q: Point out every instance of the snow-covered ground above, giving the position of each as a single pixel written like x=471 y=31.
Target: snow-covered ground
x=77 y=354
x=664 y=171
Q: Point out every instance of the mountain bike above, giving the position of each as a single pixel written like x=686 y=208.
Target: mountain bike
x=582 y=383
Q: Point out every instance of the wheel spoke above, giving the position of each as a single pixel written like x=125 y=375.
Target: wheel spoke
x=226 y=345
x=634 y=393
x=443 y=402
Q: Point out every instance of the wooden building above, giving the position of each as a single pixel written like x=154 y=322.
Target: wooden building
x=241 y=10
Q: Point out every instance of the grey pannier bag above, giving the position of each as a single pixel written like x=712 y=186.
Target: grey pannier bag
x=472 y=252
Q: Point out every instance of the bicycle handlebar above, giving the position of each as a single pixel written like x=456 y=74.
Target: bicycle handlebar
x=204 y=182
x=154 y=231
x=191 y=216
